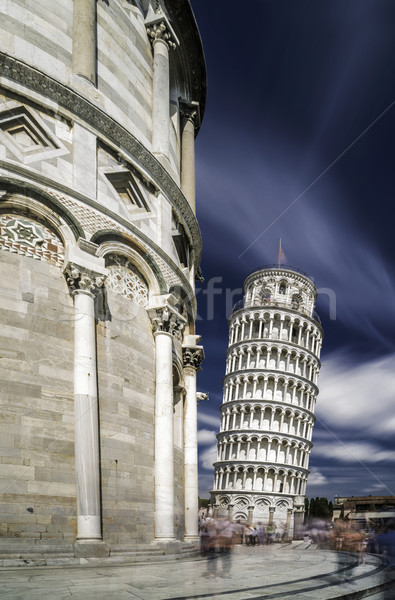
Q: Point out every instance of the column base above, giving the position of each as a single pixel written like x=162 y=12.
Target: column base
x=169 y=546
x=91 y=549
x=89 y=527
x=193 y=539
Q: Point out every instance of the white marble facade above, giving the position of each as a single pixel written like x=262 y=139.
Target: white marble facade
x=100 y=103
x=270 y=391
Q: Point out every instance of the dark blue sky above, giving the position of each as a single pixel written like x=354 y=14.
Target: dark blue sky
x=298 y=142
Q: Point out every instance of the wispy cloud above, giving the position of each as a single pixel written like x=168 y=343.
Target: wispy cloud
x=208 y=456
x=206 y=436
x=209 y=419
x=316 y=478
x=358 y=396
x=354 y=451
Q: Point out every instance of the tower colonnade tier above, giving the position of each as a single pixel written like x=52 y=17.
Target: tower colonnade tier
x=270 y=392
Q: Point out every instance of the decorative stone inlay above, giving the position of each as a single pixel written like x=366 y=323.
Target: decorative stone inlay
x=23 y=131
x=24 y=232
x=262 y=502
x=125 y=279
x=79 y=278
x=223 y=502
x=167 y=320
x=68 y=99
x=92 y=221
x=241 y=503
x=20 y=235
x=192 y=357
x=160 y=31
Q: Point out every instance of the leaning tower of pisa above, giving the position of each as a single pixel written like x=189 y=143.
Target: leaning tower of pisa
x=270 y=391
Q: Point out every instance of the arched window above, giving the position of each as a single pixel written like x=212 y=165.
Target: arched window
x=296 y=301
x=266 y=296
x=282 y=288
x=125 y=279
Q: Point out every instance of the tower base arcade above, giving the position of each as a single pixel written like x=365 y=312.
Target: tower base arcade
x=283 y=515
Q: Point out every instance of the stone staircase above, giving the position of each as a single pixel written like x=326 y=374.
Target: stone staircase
x=19 y=552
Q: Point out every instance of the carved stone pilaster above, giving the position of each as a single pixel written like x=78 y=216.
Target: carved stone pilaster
x=192 y=357
x=161 y=30
x=168 y=320
x=80 y=278
x=299 y=502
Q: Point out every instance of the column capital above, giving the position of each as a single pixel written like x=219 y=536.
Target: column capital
x=83 y=270
x=298 y=502
x=166 y=319
x=160 y=29
x=192 y=356
x=189 y=111
x=82 y=279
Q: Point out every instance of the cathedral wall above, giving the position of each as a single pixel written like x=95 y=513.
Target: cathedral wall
x=125 y=67
x=42 y=33
x=37 y=471
x=126 y=389
x=99 y=247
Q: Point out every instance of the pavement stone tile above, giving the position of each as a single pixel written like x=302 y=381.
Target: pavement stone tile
x=258 y=573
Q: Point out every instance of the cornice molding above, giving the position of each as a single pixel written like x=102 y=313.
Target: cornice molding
x=16 y=70
x=26 y=187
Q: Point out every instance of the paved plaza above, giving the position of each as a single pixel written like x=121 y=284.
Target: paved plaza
x=280 y=571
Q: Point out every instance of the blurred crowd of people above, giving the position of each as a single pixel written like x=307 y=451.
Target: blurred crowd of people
x=219 y=535
x=242 y=533
x=351 y=540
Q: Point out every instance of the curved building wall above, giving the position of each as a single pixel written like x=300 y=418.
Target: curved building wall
x=42 y=35
x=270 y=391
x=99 y=249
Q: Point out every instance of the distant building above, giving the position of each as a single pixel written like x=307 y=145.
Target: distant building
x=364 y=508
x=100 y=103
x=270 y=391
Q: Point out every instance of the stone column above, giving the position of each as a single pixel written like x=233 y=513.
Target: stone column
x=298 y=517
x=84 y=39
x=230 y=511
x=288 y=523
x=162 y=39
x=192 y=357
x=84 y=283
x=178 y=403
x=271 y=515
x=250 y=514
x=166 y=322
x=189 y=118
